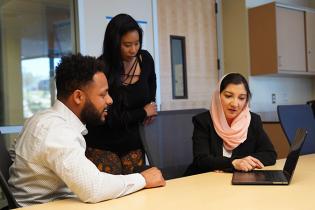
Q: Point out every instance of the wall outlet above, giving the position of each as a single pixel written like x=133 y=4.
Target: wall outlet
x=273 y=98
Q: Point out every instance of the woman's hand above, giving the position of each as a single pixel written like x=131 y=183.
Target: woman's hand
x=148 y=120
x=150 y=109
x=247 y=164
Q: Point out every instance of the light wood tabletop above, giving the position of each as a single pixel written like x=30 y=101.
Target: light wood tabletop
x=212 y=191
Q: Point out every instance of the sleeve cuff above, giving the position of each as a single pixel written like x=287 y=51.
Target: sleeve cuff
x=137 y=180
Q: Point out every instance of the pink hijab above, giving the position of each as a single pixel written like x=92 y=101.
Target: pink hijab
x=237 y=133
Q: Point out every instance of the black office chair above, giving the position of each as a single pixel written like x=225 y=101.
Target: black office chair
x=312 y=104
x=298 y=116
x=167 y=141
x=5 y=163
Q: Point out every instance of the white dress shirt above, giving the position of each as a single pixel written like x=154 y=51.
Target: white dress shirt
x=50 y=163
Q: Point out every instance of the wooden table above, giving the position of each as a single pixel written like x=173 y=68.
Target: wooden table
x=212 y=191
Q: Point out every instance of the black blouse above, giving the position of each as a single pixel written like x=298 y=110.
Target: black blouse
x=121 y=134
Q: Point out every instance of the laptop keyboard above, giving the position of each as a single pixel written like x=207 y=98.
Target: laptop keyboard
x=273 y=175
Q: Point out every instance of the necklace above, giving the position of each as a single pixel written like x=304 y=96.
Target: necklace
x=132 y=67
x=131 y=73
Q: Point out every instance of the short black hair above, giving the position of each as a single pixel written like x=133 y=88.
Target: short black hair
x=235 y=78
x=74 y=72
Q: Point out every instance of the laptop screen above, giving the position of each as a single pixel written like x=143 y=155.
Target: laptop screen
x=294 y=153
x=277 y=177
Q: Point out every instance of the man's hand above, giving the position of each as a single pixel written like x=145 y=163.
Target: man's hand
x=153 y=178
x=247 y=164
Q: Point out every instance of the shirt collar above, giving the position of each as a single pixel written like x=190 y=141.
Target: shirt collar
x=71 y=118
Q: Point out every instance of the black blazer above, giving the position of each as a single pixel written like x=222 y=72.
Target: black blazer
x=208 y=151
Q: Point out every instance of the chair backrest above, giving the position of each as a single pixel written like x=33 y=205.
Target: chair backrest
x=167 y=141
x=5 y=163
x=312 y=104
x=298 y=116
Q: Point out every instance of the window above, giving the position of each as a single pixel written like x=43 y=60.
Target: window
x=33 y=37
x=178 y=62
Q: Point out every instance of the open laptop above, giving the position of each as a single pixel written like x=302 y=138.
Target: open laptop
x=274 y=177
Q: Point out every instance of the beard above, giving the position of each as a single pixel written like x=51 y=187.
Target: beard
x=90 y=115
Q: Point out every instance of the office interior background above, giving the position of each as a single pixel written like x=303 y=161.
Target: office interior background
x=193 y=43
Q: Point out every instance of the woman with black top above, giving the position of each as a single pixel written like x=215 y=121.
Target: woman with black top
x=116 y=147
x=229 y=136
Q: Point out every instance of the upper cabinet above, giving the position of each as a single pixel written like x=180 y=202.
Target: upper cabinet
x=290 y=40
x=282 y=40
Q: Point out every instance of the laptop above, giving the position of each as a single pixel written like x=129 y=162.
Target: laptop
x=274 y=177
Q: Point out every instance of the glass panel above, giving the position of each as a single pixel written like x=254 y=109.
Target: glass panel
x=34 y=35
x=178 y=67
x=36 y=84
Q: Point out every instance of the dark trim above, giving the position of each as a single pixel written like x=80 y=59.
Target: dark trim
x=182 y=39
x=270 y=122
x=2 y=95
x=75 y=30
x=218 y=64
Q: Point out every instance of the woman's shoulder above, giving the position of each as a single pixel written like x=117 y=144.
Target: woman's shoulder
x=145 y=55
x=147 y=62
x=255 y=121
x=101 y=57
x=255 y=116
x=145 y=52
x=203 y=117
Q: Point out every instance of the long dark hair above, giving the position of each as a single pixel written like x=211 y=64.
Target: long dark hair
x=235 y=78
x=118 y=26
x=116 y=29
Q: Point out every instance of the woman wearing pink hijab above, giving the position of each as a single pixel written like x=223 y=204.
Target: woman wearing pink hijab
x=230 y=137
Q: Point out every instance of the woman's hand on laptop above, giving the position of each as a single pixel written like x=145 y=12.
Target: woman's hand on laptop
x=247 y=164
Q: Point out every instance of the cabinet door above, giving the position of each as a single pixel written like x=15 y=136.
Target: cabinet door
x=290 y=39
x=310 y=41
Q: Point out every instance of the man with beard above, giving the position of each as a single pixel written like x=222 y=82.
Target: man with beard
x=49 y=154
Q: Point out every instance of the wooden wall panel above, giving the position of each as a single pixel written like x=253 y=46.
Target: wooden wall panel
x=278 y=138
x=196 y=21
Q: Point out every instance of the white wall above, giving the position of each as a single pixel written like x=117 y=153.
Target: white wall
x=287 y=91
x=302 y=3
x=92 y=21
